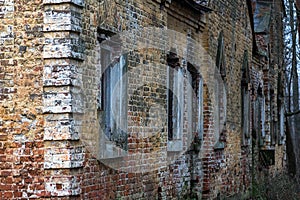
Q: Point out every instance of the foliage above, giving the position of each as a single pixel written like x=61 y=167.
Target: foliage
x=281 y=187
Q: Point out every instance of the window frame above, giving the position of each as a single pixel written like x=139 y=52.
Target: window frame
x=281 y=125
x=262 y=116
x=220 y=93
x=183 y=77
x=175 y=120
x=245 y=101
x=112 y=141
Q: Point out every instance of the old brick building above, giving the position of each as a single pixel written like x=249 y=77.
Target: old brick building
x=139 y=99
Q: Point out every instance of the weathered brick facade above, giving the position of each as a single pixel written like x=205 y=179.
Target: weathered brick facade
x=58 y=137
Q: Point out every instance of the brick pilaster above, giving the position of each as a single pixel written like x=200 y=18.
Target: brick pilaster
x=63 y=53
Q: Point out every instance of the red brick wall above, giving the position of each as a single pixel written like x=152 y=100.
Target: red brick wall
x=21 y=119
x=50 y=140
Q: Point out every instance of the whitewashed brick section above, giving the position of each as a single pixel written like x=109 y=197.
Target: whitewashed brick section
x=62 y=96
x=77 y=100
x=62 y=18
x=7 y=32
x=60 y=74
x=58 y=100
x=7 y=8
x=63 y=186
x=62 y=100
x=63 y=158
x=61 y=127
x=65 y=47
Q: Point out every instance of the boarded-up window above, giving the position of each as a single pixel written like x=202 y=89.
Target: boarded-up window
x=255 y=118
x=220 y=58
x=262 y=16
x=261 y=116
x=273 y=122
x=220 y=93
x=245 y=101
x=175 y=102
x=281 y=125
x=184 y=102
x=114 y=98
x=194 y=102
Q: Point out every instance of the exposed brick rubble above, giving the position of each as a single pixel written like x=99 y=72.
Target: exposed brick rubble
x=52 y=113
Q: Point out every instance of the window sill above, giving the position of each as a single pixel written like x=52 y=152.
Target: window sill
x=175 y=145
x=112 y=151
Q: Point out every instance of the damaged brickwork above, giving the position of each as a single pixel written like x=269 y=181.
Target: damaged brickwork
x=54 y=118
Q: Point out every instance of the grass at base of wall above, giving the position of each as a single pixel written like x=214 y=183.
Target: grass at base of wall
x=281 y=187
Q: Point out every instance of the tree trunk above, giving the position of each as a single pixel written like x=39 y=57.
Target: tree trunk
x=292 y=134
x=291 y=160
x=298 y=15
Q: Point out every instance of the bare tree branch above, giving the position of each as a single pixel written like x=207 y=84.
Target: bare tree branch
x=292 y=113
